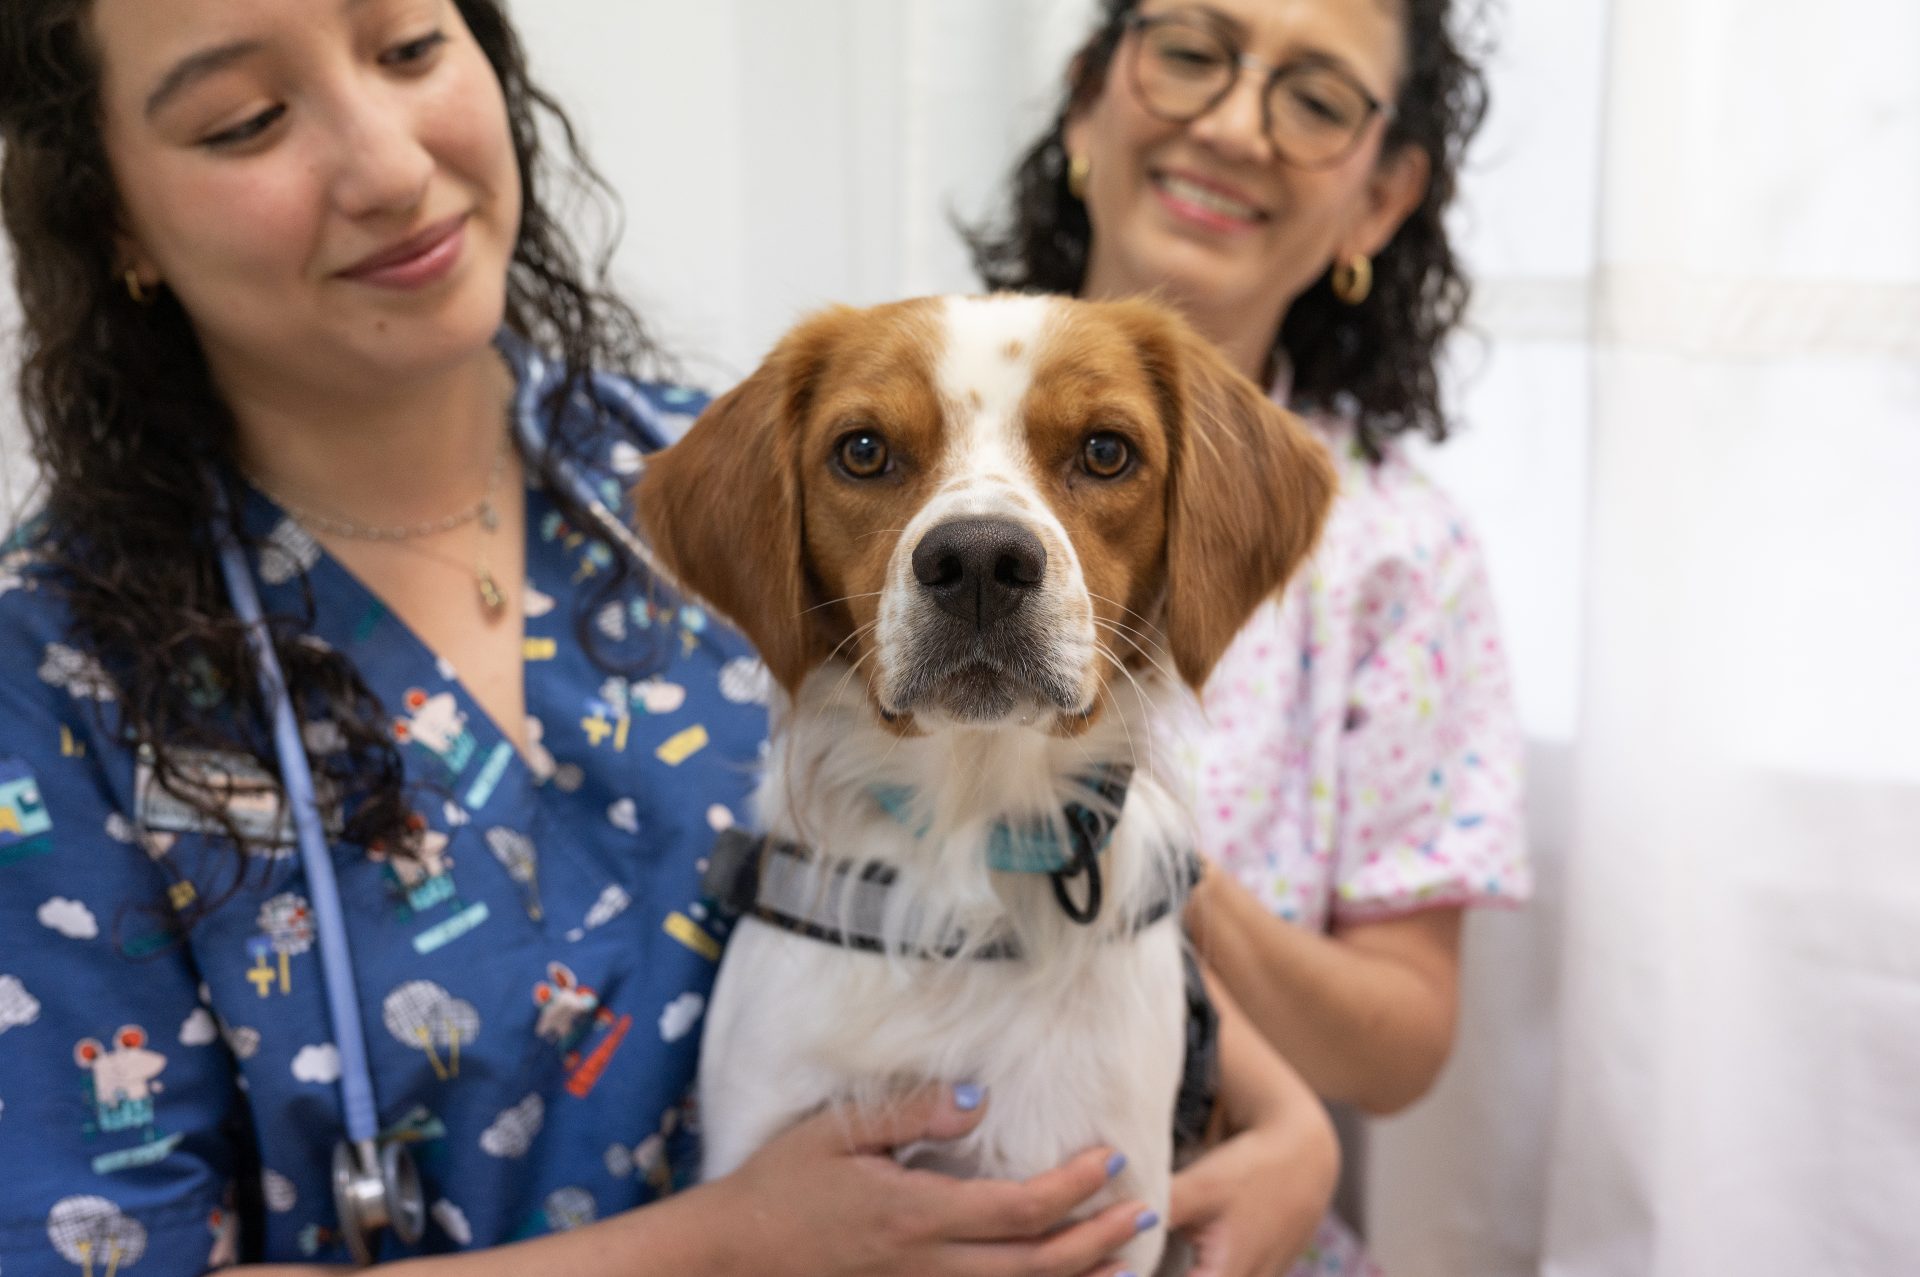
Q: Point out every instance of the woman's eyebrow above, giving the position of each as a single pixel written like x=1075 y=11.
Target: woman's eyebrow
x=1313 y=55
x=1224 y=22
x=197 y=66
x=1324 y=60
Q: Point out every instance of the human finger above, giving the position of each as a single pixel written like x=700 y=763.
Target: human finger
x=1005 y=1209
x=1113 y=1270
x=1073 y=1250
x=1211 y=1245
x=934 y=1112
x=1202 y=1190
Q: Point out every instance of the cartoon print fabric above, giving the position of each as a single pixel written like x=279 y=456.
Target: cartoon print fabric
x=532 y=969
x=1362 y=757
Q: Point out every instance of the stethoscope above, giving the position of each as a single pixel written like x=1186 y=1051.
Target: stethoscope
x=376 y=1184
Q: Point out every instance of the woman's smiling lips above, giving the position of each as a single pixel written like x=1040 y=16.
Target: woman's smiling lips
x=416 y=261
x=1205 y=202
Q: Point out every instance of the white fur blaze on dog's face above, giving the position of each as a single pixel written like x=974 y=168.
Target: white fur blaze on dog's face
x=993 y=508
x=985 y=614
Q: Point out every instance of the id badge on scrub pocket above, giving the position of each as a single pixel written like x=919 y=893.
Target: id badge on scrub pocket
x=230 y=782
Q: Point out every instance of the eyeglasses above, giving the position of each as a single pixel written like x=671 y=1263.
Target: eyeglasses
x=1181 y=67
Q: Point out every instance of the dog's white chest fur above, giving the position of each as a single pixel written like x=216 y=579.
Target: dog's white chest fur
x=1071 y=1062
x=1079 y=1041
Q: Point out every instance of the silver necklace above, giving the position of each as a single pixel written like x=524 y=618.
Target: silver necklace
x=491 y=596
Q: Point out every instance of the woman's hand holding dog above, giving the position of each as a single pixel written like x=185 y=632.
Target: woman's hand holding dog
x=1250 y=1204
x=827 y=1199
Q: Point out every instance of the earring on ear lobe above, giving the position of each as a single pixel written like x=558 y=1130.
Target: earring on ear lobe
x=137 y=290
x=1078 y=166
x=1353 y=279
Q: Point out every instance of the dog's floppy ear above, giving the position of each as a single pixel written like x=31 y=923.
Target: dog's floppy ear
x=722 y=507
x=1249 y=489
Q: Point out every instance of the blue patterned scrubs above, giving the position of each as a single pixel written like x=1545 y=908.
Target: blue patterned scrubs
x=531 y=983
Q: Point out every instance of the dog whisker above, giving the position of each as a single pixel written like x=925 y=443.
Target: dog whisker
x=1133 y=749
x=852 y=636
x=845 y=598
x=1159 y=665
x=1141 y=692
x=1132 y=631
x=1147 y=622
x=846 y=676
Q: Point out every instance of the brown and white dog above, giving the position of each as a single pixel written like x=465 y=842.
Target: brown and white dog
x=979 y=543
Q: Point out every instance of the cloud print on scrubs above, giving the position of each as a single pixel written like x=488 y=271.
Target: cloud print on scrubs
x=513 y=1132
x=70 y=918
x=278 y=1191
x=17 y=1006
x=198 y=1029
x=680 y=1016
x=75 y=672
x=318 y=1064
x=453 y=1222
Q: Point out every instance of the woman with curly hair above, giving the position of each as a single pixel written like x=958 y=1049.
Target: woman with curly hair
x=300 y=324
x=1280 y=171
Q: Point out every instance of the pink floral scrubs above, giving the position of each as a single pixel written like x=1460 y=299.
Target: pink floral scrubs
x=1363 y=757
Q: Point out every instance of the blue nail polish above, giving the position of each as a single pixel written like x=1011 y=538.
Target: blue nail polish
x=967 y=1097
x=1116 y=1164
x=1129 y=1273
x=1148 y=1219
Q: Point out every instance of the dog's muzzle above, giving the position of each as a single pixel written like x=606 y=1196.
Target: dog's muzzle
x=982 y=645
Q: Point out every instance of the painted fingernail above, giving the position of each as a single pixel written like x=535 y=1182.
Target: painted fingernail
x=1129 y=1273
x=1148 y=1219
x=1116 y=1164
x=967 y=1097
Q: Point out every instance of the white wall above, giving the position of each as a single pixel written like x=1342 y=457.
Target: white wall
x=775 y=156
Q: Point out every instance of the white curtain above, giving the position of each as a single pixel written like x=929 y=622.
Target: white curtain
x=1698 y=1055
x=1740 y=1019
x=1693 y=451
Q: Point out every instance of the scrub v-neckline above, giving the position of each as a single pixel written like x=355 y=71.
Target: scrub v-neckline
x=335 y=586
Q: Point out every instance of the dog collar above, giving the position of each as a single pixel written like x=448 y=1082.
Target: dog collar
x=1035 y=847
x=775 y=881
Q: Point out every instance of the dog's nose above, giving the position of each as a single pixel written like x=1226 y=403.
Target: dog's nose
x=979 y=570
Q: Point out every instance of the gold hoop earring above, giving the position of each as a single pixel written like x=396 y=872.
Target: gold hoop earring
x=136 y=290
x=1353 y=279
x=1078 y=166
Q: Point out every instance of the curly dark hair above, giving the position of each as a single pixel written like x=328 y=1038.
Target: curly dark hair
x=1375 y=362
x=124 y=419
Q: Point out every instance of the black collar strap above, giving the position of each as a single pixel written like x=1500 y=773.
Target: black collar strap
x=748 y=875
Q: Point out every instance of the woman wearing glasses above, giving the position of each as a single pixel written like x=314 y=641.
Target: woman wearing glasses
x=1279 y=170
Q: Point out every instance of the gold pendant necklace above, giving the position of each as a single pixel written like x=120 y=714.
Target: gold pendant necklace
x=492 y=597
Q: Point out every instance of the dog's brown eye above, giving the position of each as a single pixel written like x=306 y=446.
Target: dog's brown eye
x=863 y=454
x=1106 y=456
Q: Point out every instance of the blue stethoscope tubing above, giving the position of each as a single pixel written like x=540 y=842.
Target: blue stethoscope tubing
x=535 y=374
x=374 y=1187
x=377 y=1186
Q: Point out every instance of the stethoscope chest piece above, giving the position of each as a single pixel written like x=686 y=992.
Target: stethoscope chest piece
x=375 y=1187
